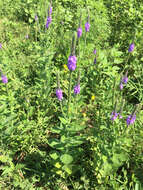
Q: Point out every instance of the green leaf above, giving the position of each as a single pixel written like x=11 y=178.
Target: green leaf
x=54 y=155
x=75 y=128
x=55 y=143
x=68 y=169
x=66 y=158
x=63 y=120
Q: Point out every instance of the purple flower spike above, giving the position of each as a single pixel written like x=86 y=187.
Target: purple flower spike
x=131 y=47
x=77 y=89
x=121 y=86
x=50 y=11
x=114 y=115
x=0 y=46
x=131 y=119
x=87 y=27
x=36 y=17
x=94 y=51
x=72 y=62
x=4 y=79
x=120 y=116
x=125 y=79
x=79 y=32
x=59 y=94
x=49 y=20
x=95 y=61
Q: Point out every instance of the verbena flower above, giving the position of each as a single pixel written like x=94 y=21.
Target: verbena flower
x=87 y=27
x=131 y=47
x=72 y=62
x=59 y=94
x=77 y=89
x=95 y=61
x=114 y=115
x=94 y=51
x=121 y=85
x=50 y=10
x=0 y=45
x=120 y=116
x=125 y=79
x=4 y=79
x=27 y=36
x=48 y=22
x=131 y=119
x=79 y=32
x=36 y=17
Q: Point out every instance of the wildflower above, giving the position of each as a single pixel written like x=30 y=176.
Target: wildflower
x=65 y=67
x=0 y=45
x=27 y=36
x=125 y=79
x=72 y=62
x=95 y=61
x=84 y=114
x=121 y=85
x=120 y=116
x=131 y=47
x=77 y=89
x=36 y=18
x=79 y=32
x=4 y=79
x=114 y=115
x=87 y=26
x=49 y=20
x=92 y=97
x=59 y=94
x=131 y=119
x=94 y=51
x=50 y=10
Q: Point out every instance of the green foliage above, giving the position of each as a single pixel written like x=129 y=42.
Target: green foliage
x=71 y=144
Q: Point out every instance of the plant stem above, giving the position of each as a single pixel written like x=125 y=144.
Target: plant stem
x=69 y=91
x=61 y=108
x=113 y=95
x=84 y=43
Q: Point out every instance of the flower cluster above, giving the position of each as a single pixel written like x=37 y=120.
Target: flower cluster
x=114 y=115
x=123 y=81
x=79 y=32
x=49 y=18
x=131 y=119
x=48 y=22
x=131 y=47
x=77 y=89
x=87 y=26
x=4 y=79
x=59 y=94
x=72 y=62
x=36 y=18
x=94 y=51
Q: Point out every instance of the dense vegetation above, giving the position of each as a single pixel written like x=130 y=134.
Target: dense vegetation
x=71 y=103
